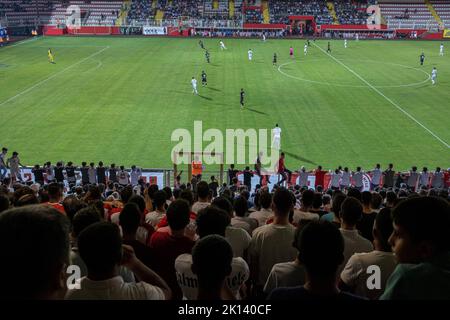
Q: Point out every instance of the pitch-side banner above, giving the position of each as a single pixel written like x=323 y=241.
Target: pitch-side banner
x=446 y=33
x=154 y=31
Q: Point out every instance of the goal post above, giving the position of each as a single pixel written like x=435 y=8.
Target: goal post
x=193 y=158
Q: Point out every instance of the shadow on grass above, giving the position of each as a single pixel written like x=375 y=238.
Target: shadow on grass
x=256 y=111
x=206 y=98
x=213 y=89
x=297 y=157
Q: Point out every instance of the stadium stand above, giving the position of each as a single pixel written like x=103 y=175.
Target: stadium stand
x=443 y=10
x=19 y=12
x=408 y=15
x=281 y=10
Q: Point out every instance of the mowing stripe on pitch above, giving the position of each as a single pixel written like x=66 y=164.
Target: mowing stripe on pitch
x=51 y=77
x=384 y=96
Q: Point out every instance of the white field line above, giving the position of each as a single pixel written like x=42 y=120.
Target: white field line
x=37 y=84
x=384 y=96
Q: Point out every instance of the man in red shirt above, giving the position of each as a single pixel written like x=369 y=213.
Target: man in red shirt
x=54 y=195
x=167 y=246
x=320 y=174
x=283 y=171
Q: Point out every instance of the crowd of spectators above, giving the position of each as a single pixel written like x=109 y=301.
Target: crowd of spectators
x=351 y=12
x=281 y=10
x=199 y=240
x=141 y=10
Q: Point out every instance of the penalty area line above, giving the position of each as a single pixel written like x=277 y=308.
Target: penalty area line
x=37 y=84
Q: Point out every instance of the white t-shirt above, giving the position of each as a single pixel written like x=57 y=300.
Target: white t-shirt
x=194 y=83
x=355 y=272
x=358 y=179
x=271 y=244
x=303 y=178
x=188 y=282
x=114 y=289
x=424 y=177
x=135 y=175
x=196 y=207
x=250 y=54
x=302 y=215
x=123 y=176
x=345 y=178
x=376 y=176
x=261 y=216
x=239 y=240
x=248 y=224
x=353 y=243
x=154 y=217
x=285 y=274
x=276 y=132
x=335 y=178
x=437 y=179
x=412 y=179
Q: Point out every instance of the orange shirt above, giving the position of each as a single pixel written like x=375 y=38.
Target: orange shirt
x=196 y=168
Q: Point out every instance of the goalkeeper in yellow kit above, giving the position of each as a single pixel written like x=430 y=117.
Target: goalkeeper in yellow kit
x=51 y=58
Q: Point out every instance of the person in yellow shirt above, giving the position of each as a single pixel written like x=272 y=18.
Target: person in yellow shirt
x=50 y=56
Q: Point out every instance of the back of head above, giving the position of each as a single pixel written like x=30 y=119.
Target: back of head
x=187 y=195
x=425 y=219
x=366 y=198
x=321 y=249
x=202 y=190
x=211 y=261
x=139 y=201
x=282 y=202
x=307 y=198
x=100 y=247
x=84 y=218
x=337 y=203
x=376 y=201
x=54 y=191
x=130 y=218
x=224 y=204
x=317 y=200
x=38 y=235
x=159 y=198
x=126 y=193
x=240 y=206
x=178 y=214
x=383 y=228
x=354 y=193
x=265 y=199
x=212 y=220
x=351 y=211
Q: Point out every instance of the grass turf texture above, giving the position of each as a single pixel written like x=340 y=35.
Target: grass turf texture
x=119 y=99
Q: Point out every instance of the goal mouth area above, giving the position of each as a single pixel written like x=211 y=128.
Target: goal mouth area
x=196 y=157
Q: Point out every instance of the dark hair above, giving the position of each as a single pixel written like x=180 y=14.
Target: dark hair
x=351 y=211
x=265 y=199
x=159 y=198
x=307 y=198
x=355 y=193
x=391 y=197
x=366 y=198
x=26 y=200
x=188 y=196
x=139 y=201
x=126 y=193
x=211 y=261
x=84 y=218
x=33 y=234
x=54 y=190
x=240 y=206
x=282 y=201
x=202 y=189
x=321 y=248
x=212 y=220
x=4 y=203
x=376 y=201
x=178 y=214
x=425 y=219
x=100 y=247
x=168 y=192
x=130 y=218
x=317 y=200
x=336 y=204
x=224 y=204
x=72 y=205
x=384 y=228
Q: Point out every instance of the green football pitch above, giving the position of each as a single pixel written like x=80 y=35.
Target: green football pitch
x=119 y=99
